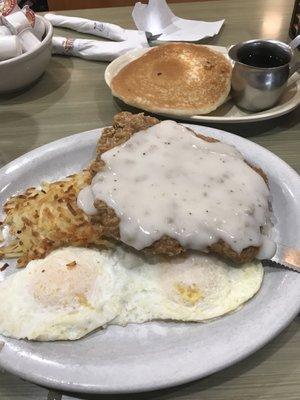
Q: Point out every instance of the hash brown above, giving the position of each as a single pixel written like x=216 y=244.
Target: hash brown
x=44 y=219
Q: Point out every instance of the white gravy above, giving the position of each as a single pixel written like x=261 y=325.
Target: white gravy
x=167 y=181
x=85 y=201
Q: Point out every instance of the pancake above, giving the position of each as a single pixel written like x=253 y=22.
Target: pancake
x=177 y=78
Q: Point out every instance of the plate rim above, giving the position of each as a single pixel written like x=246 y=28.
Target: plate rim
x=82 y=388
x=254 y=117
x=71 y=387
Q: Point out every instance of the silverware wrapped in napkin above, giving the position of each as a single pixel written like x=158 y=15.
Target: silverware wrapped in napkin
x=96 y=28
x=98 y=50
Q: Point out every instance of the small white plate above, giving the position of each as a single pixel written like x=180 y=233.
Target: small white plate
x=158 y=354
x=228 y=112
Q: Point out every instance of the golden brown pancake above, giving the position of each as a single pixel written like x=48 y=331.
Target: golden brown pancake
x=176 y=78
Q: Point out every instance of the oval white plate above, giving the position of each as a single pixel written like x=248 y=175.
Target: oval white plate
x=228 y=112
x=159 y=354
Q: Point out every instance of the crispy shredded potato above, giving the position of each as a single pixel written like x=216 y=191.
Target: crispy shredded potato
x=41 y=220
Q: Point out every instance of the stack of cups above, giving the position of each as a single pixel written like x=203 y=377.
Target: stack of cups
x=20 y=30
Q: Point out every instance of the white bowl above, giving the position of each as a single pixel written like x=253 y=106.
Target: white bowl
x=21 y=71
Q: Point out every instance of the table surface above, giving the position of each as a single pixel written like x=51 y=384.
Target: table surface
x=72 y=97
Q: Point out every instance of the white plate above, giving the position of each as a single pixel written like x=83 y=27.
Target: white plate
x=228 y=112
x=159 y=354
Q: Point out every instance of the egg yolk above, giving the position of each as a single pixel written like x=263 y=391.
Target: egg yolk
x=189 y=294
x=62 y=284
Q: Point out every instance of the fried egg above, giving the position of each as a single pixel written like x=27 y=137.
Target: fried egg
x=64 y=296
x=73 y=291
x=193 y=287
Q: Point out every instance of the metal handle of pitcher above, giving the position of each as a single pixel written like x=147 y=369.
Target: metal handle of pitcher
x=296 y=64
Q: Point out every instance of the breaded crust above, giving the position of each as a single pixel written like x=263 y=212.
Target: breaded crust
x=175 y=78
x=124 y=126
